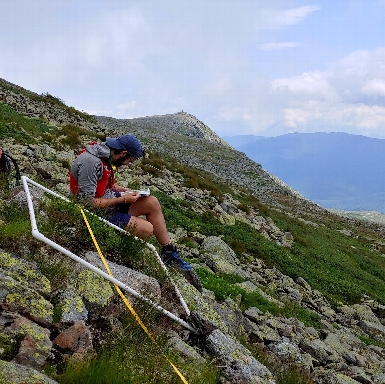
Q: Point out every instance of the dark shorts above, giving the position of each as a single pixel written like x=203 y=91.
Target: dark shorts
x=120 y=217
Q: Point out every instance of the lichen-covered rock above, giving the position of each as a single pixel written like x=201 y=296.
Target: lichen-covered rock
x=238 y=364
x=70 y=305
x=24 y=272
x=96 y=292
x=261 y=333
x=13 y=373
x=231 y=317
x=204 y=313
x=219 y=256
x=253 y=314
x=145 y=285
x=17 y=296
x=319 y=351
x=35 y=345
x=322 y=377
x=286 y=350
x=184 y=349
x=375 y=330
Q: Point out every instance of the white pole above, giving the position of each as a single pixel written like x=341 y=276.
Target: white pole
x=41 y=237
x=150 y=246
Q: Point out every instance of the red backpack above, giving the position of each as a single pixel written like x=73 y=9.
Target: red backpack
x=107 y=180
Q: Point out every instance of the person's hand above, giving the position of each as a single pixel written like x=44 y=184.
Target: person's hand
x=130 y=197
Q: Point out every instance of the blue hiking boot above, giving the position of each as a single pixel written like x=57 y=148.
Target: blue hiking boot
x=171 y=257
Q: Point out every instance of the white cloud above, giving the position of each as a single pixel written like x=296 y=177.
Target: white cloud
x=230 y=113
x=129 y=57
x=128 y=105
x=308 y=83
x=348 y=95
x=369 y=116
x=374 y=87
x=295 y=15
x=278 y=46
x=357 y=118
x=295 y=117
x=281 y=18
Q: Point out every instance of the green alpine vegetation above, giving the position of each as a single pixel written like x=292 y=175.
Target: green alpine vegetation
x=340 y=259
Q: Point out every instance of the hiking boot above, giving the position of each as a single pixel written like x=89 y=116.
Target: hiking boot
x=171 y=257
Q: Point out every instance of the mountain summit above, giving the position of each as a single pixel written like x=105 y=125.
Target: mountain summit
x=180 y=123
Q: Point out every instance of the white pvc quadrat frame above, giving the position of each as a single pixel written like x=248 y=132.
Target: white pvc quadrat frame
x=39 y=236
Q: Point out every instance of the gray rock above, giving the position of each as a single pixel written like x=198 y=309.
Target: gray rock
x=303 y=283
x=375 y=330
x=238 y=364
x=71 y=306
x=203 y=316
x=184 y=349
x=141 y=283
x=35 y=346
x=253 y=314
x=13 y=373
x=286 y=350
x=379 y=378
x=319 y=350
x=340 y=378
x=364 y=312
x=263 y=334
x=290 y=294
x=232 y=318
x=219 y=256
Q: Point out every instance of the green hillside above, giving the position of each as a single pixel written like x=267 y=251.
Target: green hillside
x=270 y=228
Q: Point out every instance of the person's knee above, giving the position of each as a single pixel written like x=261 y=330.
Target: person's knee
x=152 y=202
x=139 y=227
x=148 y=229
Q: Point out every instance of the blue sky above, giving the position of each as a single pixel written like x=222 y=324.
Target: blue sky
x=242 y=67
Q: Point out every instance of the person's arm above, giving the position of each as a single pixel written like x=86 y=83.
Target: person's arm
x=89 y=171
x=105 y=202
x=118 y=188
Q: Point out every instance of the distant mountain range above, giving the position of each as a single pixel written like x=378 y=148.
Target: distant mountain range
x=336 y=170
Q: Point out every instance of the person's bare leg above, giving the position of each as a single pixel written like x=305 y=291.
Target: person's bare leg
x=139 y=227
x=150 y=207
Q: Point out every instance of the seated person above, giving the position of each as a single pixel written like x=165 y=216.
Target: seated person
x=92 y=180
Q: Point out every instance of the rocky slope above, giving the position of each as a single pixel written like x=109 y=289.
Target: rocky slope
x=40 y=325
x=191 y=142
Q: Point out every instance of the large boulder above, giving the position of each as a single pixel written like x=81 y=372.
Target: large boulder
x=238 y=364
x=22 y=287
x=219 y=256
x=24 y=341
x=145 y=285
